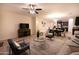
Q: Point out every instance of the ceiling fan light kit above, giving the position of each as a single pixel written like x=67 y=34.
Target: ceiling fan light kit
x=32 y=9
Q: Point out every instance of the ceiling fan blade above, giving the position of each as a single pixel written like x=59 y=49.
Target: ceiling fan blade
x=26 y=9
x=38 y=9
x=36 y=12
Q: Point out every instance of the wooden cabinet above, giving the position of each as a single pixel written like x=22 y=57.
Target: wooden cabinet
x=24 y=32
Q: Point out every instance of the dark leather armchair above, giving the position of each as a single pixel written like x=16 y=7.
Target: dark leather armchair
x=18 y=49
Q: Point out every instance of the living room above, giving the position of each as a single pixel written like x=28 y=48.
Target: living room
x=32 y=22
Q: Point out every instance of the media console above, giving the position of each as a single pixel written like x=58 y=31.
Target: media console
x=24 y=30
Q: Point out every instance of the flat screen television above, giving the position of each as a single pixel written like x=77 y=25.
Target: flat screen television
x=77 y=21
x=23 y=25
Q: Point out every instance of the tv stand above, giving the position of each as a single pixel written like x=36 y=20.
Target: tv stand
x=24 y=32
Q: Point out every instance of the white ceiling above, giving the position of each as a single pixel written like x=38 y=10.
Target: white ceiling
x=68 y=9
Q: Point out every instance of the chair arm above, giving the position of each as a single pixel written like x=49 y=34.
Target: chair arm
x=24 y=46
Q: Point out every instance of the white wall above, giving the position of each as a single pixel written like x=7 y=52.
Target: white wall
x=0 y=25
x=9 y=22
x=33 y=24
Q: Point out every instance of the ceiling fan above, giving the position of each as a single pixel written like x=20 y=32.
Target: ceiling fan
x=32 y=9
